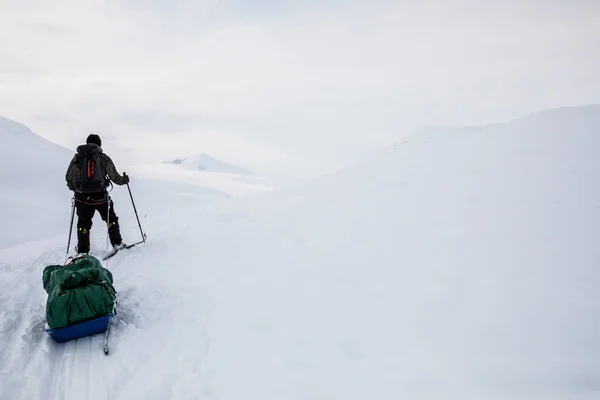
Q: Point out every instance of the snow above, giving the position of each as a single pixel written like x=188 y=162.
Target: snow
x=458 y=263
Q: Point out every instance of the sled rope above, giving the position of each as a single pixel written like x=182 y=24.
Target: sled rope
x=107 y=228
x=70 y=227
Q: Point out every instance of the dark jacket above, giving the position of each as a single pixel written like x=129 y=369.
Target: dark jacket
x=109 y=170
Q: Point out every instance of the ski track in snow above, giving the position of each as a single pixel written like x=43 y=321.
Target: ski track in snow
x=79 y=369
x=22 y=334
x=25 y=344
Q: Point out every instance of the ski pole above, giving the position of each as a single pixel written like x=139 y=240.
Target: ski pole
x=136 y=213
x=70 y=227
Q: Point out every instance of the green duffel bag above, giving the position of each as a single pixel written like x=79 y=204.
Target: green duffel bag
x=79 y=291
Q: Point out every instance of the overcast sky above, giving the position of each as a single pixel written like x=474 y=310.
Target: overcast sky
x=295 y=86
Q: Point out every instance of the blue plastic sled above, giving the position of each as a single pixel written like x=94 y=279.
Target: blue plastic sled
x=81 y=329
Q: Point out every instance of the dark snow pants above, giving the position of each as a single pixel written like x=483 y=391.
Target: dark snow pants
x=85 y=214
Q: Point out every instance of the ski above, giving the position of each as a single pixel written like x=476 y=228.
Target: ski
x=114 y=252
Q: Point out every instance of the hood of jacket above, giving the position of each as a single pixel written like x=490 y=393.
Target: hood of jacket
x=89 y=150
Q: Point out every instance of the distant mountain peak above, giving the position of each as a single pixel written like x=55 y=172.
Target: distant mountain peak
x=205 y=162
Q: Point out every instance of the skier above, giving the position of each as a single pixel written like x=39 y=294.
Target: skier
x=89 y=174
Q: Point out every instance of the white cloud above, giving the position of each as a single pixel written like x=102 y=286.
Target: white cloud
x=324 y=81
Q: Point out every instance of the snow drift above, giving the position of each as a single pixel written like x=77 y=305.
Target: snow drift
x=460 y=264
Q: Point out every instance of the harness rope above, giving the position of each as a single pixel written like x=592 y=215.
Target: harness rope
x=89 y=203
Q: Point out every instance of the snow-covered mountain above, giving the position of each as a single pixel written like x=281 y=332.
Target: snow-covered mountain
x=34 y=198
x=25 y=155
x=555 y=121
x=204 y=162
x=206 y=171
x=459 y=263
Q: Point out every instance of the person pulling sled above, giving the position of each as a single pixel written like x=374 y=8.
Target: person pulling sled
x=89 y=175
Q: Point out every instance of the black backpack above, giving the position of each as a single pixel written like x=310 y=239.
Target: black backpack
x=87 y=175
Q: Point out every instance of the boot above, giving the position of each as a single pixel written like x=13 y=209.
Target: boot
x=119 y=246
x=114 y=235
x=83 y=241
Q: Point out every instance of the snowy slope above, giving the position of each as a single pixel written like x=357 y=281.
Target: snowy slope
x=461 y=264
x=32 y=184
